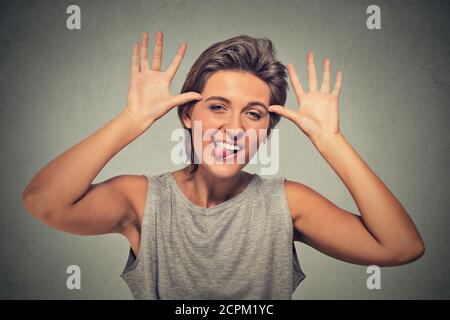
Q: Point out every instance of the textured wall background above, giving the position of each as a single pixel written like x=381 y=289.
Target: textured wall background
x=59 y=86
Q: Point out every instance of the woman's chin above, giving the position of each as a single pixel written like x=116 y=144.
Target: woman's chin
x=224 y=167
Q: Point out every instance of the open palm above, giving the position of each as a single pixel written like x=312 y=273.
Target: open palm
x=149 y=95
x=318 y=114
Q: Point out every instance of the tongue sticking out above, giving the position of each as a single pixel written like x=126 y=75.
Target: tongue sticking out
x=222 y=152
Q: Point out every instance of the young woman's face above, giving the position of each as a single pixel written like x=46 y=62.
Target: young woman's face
x=234 y=110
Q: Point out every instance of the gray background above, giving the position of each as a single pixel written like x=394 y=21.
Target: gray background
x=59 y=86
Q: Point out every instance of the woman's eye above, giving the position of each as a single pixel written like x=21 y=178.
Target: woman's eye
x=255 y=115
x=216 y=107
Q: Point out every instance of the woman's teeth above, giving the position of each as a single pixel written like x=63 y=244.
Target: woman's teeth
x=230 y=147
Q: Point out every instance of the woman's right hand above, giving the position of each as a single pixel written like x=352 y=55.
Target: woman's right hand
x=148 y=94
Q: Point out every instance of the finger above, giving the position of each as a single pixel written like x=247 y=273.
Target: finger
x=312 y=76
x=144 y=51
x=337 y=87
x=135 y=58
x=299 y=92
x=326 y=77
x=176 y=61
x=184 y=98
x=284 y=112
x=157 y=52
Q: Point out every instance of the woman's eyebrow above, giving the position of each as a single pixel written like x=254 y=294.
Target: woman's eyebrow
x=251 y=103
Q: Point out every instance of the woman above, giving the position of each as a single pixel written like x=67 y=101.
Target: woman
x=211 y=230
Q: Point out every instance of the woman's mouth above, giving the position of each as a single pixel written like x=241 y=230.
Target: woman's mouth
x=224 y=150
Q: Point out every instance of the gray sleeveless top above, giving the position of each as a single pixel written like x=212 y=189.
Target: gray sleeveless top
x=239 y=249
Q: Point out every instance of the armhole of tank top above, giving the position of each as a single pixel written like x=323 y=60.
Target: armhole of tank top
x=133 y=261
x=284 y=202
x=298 y=274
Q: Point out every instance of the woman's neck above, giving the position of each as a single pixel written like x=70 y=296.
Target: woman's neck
x=206 y=190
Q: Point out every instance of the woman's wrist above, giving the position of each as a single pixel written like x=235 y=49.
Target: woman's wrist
x=134 y=121
x=324 y=143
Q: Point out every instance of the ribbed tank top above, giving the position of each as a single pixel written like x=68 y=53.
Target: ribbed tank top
x=239 y=249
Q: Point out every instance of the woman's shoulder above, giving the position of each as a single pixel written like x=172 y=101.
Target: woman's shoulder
x=139 y=187
x=273 y=188
x=300 y=197
x=135 y=188
x=270 y=183
x=295 y=193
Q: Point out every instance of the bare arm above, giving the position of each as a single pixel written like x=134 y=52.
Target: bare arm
x=62 y=195
x=384 y=234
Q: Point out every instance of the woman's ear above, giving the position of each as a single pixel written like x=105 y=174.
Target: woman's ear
x=186 y=117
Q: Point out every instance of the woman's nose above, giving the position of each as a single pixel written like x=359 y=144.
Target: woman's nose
x=234 y=121
x=234 y=128
x=234 y=135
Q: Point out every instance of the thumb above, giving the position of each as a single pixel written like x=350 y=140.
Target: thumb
x=284 y=112
x=184 y=98
x=305 y=123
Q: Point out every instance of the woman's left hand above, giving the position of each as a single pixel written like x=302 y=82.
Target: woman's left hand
x=317 y=115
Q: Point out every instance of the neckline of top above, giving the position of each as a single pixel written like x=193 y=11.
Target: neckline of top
x=223 y=205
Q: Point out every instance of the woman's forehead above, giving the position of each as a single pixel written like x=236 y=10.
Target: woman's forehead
x=236 y=85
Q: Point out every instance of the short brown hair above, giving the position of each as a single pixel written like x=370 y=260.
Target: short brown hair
x=241 y=53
